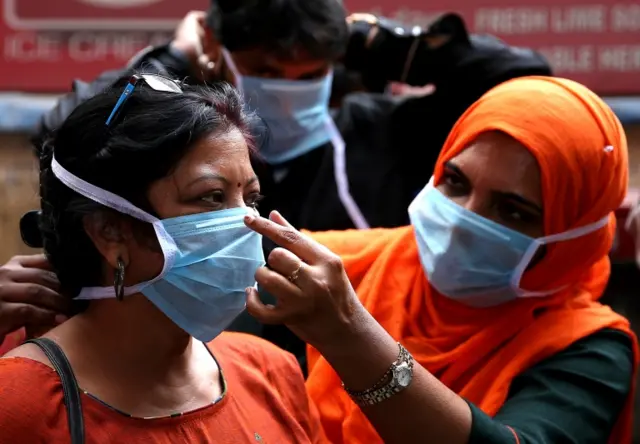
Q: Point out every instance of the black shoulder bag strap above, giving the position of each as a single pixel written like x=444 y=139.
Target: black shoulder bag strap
x=70 y=387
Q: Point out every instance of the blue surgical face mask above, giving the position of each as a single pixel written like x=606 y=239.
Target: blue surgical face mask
x=209 y=261
x=472 y=259
x=295 y=112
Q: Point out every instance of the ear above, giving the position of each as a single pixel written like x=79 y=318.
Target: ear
x=211 y=47
x=111 y=234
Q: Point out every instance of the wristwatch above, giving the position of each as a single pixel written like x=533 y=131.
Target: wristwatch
x=396 y=379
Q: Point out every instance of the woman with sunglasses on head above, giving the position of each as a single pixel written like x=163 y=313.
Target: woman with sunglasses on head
x=143 y=196
x=480 y=322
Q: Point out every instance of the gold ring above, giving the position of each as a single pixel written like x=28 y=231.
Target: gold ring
x=294 y=276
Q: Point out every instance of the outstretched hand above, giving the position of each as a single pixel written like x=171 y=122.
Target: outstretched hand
x=314 y=296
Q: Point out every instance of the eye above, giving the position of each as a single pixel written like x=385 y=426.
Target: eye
x=513 y=214
x=254 y=199
x=454 y=183
x=215 y=198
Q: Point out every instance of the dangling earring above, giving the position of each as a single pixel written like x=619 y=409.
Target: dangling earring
x=118 y=281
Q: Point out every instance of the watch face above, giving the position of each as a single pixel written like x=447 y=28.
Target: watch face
x=403 y=376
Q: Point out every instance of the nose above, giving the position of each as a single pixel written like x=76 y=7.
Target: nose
x=475 y=203
x=464 y=234
x=237 y=200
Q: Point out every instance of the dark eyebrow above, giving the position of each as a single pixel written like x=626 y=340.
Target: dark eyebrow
x=221 y=178
x=453 y=167
x=511 y=196
x=208 y=176
x=251 y=181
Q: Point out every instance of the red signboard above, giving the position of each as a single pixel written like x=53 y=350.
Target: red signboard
x=47 y=43
x=93 y=14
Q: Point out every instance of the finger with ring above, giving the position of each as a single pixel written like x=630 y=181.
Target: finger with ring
x=277 y=285
x=286 y=263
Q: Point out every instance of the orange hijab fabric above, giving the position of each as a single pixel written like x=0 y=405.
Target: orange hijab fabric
x=582 y=152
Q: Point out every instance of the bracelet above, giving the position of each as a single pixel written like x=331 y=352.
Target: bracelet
x=395 y=379
x=374 y=387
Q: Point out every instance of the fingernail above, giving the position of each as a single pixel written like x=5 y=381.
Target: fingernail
x=247 y=291
x=61 y=319
x=249 y=218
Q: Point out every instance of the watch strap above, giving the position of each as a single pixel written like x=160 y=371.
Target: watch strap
x=387 y=386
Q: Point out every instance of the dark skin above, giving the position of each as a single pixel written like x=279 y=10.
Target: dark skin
x=29 y=296
x=128 y=353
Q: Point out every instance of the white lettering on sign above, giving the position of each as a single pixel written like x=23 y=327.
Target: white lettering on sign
x=126 y=46
x=579 y=19
x=570 y=59
x=83 y=47
x=625 y=18
x=91 y=47
x=511 y=20
x=30 y=47
x=623 y=58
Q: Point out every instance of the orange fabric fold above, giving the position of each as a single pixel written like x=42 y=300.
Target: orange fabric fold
x=582 y=152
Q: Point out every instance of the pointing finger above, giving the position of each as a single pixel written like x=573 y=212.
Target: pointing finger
x=287 y=237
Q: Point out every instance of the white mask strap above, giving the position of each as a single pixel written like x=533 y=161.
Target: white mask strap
x=576 y=232
x=99 y=195
x=342 y=179
x=233 y=68
x=533 y=248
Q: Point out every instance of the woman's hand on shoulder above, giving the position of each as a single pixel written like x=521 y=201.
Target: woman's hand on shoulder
x=314 y=296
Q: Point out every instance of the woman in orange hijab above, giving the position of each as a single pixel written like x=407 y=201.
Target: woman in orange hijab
x=491 y=294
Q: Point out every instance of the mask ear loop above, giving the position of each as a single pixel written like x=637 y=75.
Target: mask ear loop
x=537 y=243
x=234 y=69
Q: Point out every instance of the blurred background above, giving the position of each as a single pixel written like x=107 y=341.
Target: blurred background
x=46 y=45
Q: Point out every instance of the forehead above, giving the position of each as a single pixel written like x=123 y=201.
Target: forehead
x=498 y=161
x=222 y=149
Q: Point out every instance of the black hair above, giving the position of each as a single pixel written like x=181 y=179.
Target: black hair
x=282 y=27
x=152 y=133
